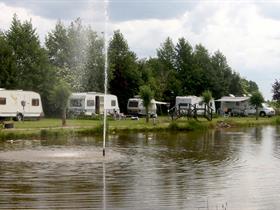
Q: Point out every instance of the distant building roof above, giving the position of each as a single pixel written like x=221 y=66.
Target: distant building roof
x=233 y=99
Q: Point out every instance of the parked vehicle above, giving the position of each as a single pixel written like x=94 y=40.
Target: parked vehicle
x=135 y=107
x=92 y=103
x=232 y=106
x=183 y=102
x=265 y=110
x=20 y=104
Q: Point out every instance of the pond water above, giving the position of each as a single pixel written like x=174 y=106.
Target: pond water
x=223 y=169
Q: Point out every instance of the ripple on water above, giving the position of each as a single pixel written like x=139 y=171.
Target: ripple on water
x=59 y=155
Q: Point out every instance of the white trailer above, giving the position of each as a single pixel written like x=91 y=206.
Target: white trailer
x=92 y=103
x=231 y=105
x=20 y=104
x=135 y=107
x=184 y=102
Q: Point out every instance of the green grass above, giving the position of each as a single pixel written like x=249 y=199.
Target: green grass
x=55 y=123
x=51 y=128
x=246 y=121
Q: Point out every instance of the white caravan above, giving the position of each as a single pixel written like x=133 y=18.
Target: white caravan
x=135 y=107
x=232 y=105
x=20 y=104
x=92 y=103
x=184 y=101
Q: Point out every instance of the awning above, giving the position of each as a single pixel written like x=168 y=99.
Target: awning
x=161 y=103
x=233 y=99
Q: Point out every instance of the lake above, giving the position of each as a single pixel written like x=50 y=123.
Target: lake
x=216 y=169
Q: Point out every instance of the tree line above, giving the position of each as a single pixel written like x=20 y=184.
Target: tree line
x=74 y=55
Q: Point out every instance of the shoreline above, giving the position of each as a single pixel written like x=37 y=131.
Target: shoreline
x=50 y=128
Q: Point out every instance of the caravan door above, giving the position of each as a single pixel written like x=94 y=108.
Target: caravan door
x=99 y=104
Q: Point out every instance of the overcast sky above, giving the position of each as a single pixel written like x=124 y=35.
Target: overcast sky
x=246 y=32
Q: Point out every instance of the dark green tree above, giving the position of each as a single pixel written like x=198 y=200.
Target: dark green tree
x=152 y=70
x=184 y=61
x=222 y=75
x=33 y=69
x=235 y=86
x=166 y=54
x=57 y=43
x=167 y=76
x=7 y=65
x=248 y=87
x=146 y=95
x=203 y=76
x=256 y=100
x=124 y=74
x=276 y=91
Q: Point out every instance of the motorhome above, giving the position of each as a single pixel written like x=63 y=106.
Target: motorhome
x=184 y=102
x=135 y=106
x=92 y=103
x=19 y=104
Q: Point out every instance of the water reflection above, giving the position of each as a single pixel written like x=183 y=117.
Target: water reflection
x=238 y=168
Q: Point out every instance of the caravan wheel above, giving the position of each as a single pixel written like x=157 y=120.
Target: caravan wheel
x=262 y=114
x=19 y=117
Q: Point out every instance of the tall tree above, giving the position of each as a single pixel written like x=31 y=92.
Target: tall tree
x=222 y=73
x=276 y=91
x=248 y=87
x=235 y=86
x=184 y=60
x=77 y=53
x=167 y=75
x=124 y=74
x=166 y=54
x=7 y=64
x=93 y=79
x=203 y=75
x=33 y=70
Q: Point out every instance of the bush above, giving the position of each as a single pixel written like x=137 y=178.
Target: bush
x=193 y=125
x=277 y=120
x=174 y=126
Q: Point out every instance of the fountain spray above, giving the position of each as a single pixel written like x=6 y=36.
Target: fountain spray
x=106 y=2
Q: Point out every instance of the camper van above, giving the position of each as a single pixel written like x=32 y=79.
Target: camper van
x=135 y=107
x=92 y=103
x=184 y=102
x=20 y=104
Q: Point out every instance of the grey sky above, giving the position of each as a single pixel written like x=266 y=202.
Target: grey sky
x=122 y=10
x=246 y=32
x=51 y=9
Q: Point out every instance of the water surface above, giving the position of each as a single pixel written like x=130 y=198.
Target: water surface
x=224 y=169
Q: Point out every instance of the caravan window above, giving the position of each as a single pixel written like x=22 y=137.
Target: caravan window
x=2 y=101
x=76 y=102
x=35 y=102
x=113 y=102
x=90 y=103
x=133 y=104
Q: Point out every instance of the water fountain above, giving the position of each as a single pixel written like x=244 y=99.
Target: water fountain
x=105 y=72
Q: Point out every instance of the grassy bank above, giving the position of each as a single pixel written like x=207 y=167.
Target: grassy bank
x=51 y=128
